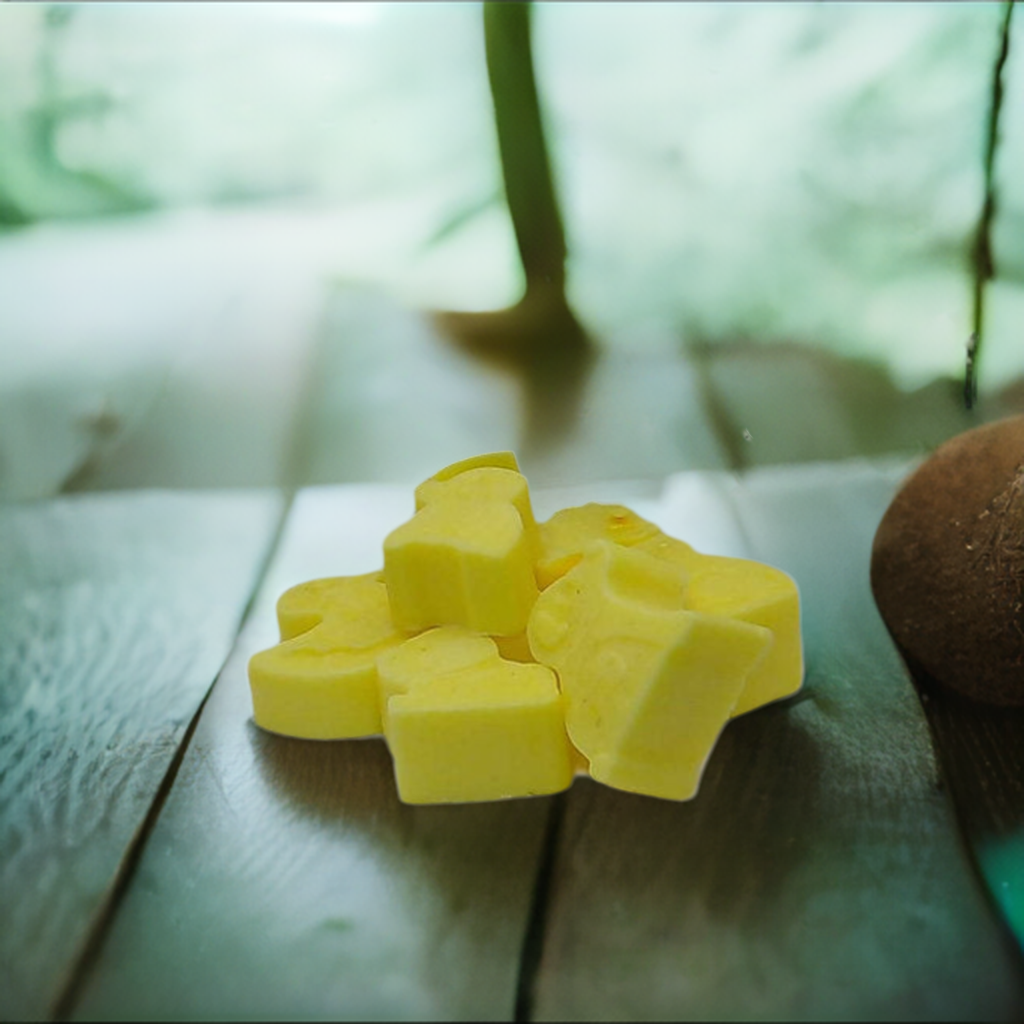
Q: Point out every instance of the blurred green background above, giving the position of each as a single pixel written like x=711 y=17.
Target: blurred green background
x=186 y=190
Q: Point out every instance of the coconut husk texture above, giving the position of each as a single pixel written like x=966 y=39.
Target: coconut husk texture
x=947 y=564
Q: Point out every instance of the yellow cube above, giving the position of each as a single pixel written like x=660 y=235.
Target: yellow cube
x=648 y=685
x=484 y=483
x=437 y=652
x=464 y=725
x=320 y=682
x=462 y=563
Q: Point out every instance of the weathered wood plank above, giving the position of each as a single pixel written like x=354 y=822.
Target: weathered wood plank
x=392 y=399
x=228 y=402
x=174 y=357
x=116 y=613
x=991 y=822
x=819 y=872
x=637 y=414
x=284 y=878
x=791 y=403
x=817 y=406
x=230 y=392
x=981 y=749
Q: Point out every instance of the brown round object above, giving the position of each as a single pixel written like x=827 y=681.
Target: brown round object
x=947 y=565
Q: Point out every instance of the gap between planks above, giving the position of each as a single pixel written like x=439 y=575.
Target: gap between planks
x=781 y=890
x=69 y=992
x=536 y=927
x=284 y=878
x=105 y=652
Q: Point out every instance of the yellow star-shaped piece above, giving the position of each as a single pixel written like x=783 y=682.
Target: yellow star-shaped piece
x=648 y=685
x=737 y=588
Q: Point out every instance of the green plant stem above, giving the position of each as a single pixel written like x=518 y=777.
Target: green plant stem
x=525 y=164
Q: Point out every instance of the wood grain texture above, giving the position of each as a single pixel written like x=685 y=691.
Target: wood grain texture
x=116 y=613
x=855 y=410
x=819 y=873
x=284 y=879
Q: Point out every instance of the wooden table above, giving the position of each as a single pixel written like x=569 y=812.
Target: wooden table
x=855 y=852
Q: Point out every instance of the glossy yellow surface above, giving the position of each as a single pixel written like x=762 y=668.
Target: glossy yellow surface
x=648 y=684
x=465 y=725
x=739 y=588
x=320 y=682
x=461 y=562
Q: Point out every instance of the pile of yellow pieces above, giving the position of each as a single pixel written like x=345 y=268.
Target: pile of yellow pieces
x=500 y=657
